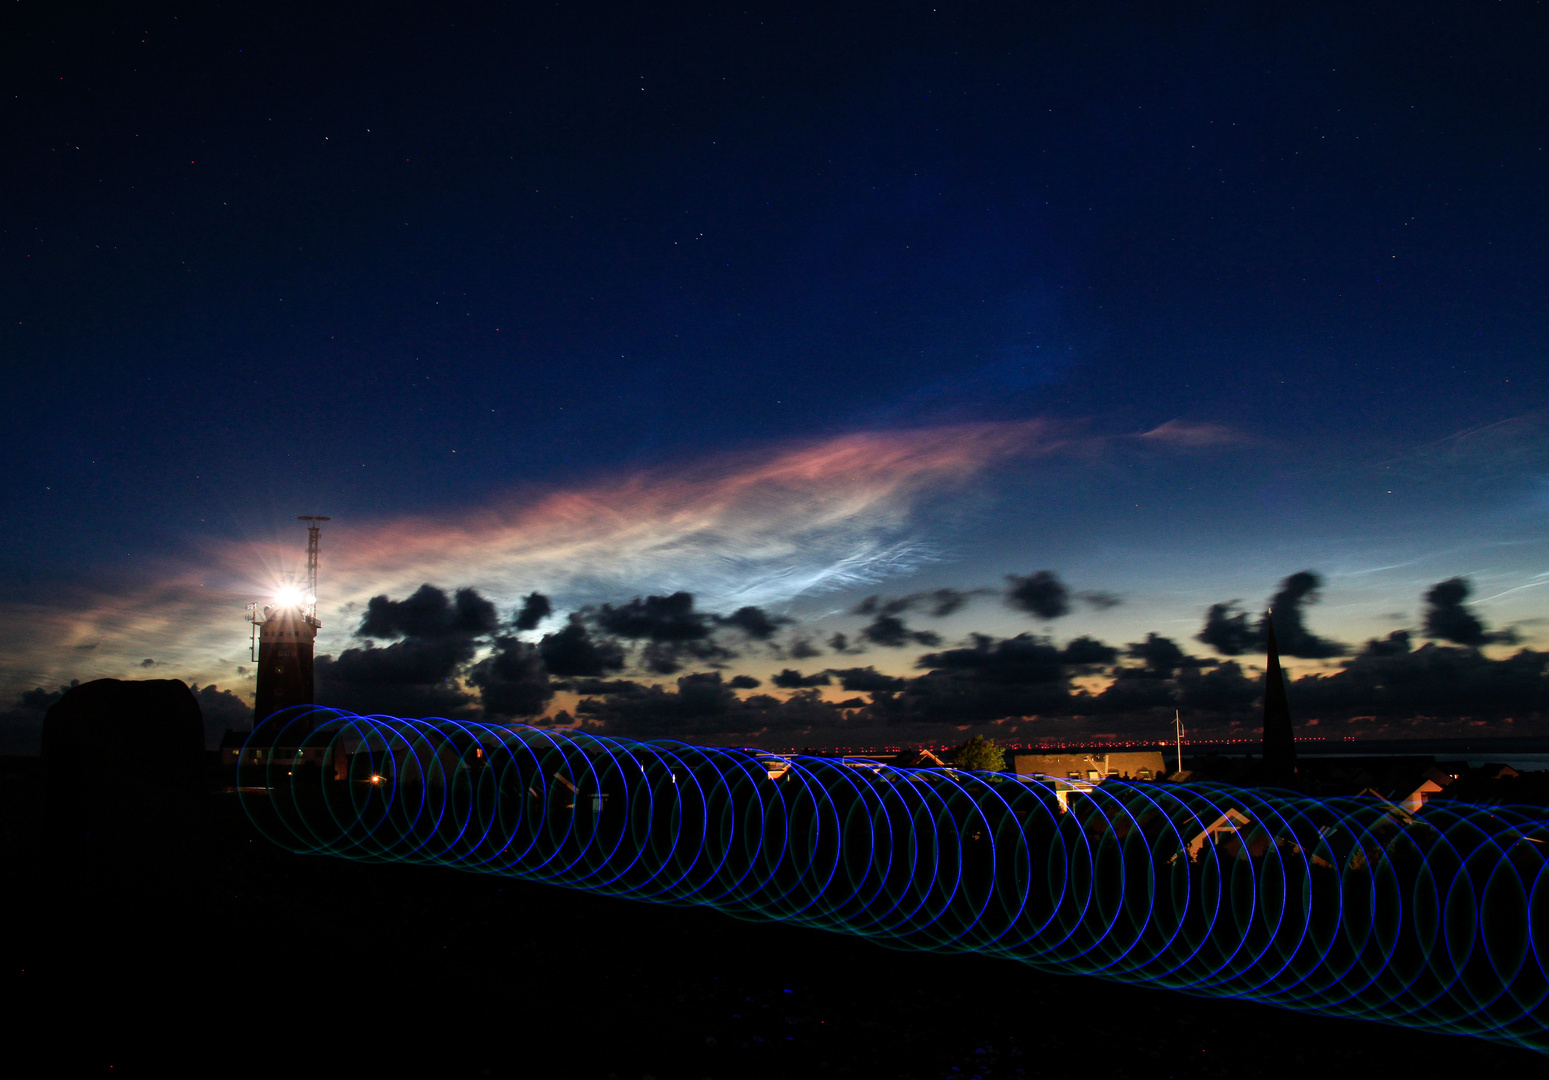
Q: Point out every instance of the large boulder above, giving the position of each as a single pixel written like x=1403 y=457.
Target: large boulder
x=127 y=779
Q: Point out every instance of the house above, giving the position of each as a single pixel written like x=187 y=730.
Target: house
x=1093 y=767
x=917 y=758
x=774 y=765
x=1411 y=792
x=1063 y=787
x=1136 y=765
x=1226 y=833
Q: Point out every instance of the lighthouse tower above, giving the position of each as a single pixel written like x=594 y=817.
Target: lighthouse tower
x=284 y=632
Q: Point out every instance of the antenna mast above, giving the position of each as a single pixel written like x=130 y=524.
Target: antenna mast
x=1178 y=724
x=314 y=530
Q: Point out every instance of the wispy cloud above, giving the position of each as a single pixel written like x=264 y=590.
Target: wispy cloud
x=1514 y=448
x=749 y=529
x=1181 y=433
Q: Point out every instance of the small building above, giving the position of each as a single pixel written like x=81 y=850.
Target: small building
x=1089 y=767
x=775 y=765
x=1136 y=765
x=1227 y=827
x=917 y=758
x=1411 y=792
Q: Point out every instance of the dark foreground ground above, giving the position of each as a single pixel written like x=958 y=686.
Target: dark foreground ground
x=246 y=960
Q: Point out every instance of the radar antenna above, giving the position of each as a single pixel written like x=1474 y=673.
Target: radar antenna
x=314 y=530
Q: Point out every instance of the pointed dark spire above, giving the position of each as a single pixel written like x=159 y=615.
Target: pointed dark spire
x=1279 y=745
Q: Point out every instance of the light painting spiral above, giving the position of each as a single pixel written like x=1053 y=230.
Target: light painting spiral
x=1347 y=906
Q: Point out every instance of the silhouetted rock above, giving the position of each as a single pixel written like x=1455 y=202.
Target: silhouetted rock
x=127 y=781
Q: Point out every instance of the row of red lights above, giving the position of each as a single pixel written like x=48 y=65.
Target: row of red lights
x=1087 y=744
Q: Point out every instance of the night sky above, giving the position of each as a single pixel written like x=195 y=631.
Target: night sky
x=961 y=331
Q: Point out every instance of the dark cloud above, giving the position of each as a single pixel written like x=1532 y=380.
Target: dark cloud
x=1156 y=684
x=890 y=631
x=573 y=652
x=1161 y=655
x=967 y=696
x=1228 y=631
x=429 y=615
x=1028 y=676
x=802 y=649
x=223 y=711
x=598 y=687
x=754 y=622
x=876 y=605
x=417 y=675
x=413 y=677
x=513 y=680
x=1386 y=679
x=21 y=726
x=1042 y=594
x=1448 y=619
x=1224 y=689
x=535 y=608
x=937 y=603
x=1291 y=633
x=674 y=633
x=841 y=643
x=1395 y=644
x=147 y=663
x=790 y=679
x=743 y=682
x=656 y=618
x=1136 y=690
x=989 y=679
x=705 y=706
x=668 y=657
x=1087 y=652
x=1023 y=659
x=867 y=680
x=1099 y=601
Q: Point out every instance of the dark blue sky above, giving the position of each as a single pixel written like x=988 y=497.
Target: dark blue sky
x=281 y=261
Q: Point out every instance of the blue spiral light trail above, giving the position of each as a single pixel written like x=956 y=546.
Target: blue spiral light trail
x=1350 y=907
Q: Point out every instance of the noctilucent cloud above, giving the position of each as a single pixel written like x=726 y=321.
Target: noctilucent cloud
x=784 y=308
